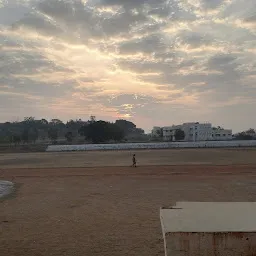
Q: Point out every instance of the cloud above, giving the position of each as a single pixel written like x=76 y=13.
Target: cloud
x=142 y=60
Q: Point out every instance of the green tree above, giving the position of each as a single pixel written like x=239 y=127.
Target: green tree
x=251 y=131
x=101 y=131
x=29 y=119
x=243 y=136
x=16 y=139
x=115 y=132
x=53 y=135
x=126 y=126
x=57 y=123
x=33 y=134
x=25 y=136
x=29 y=135
x=69 y=137
x=179 y=134
x=160 y=133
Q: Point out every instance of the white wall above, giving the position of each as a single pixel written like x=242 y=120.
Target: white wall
x=222 y=134
x=166 y=145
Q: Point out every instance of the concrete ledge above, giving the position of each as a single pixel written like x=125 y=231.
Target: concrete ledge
x=6 y=187
x=210 y=229
x=164 y=145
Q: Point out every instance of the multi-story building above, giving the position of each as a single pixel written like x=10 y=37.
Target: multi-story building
x=197 y=131
x=194 y=132
x=221 y=134
x=169 y=132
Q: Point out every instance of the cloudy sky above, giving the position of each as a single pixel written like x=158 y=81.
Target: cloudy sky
x=154 y=62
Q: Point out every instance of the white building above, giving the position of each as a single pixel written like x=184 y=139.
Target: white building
x=195 y=132
x=169 y=132
x=221 y=134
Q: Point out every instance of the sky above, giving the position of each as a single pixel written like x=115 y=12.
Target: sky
x=153 y=62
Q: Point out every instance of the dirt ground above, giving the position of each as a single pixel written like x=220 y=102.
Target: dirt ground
x=206 y=156
x=111 y=210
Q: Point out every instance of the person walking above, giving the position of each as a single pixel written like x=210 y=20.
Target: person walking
x=134 y=162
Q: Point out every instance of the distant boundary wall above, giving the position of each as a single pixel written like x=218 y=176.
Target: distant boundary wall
x=163 y=145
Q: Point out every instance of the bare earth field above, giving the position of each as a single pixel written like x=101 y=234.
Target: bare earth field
x=111 y=210
x=206 y=156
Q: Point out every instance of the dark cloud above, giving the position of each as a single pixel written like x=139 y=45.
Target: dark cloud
x=121 y=23
x=36 y=88
x=37 y=22
x=251 y=19
x=133 y=3
x=212 y=4
x=220 y=60
x=195 y=39
x=150 y=44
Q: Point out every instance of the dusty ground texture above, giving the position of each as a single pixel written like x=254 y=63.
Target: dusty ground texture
x=112 y=210
x=123 y=158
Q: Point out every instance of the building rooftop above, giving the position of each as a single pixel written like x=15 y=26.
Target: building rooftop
x=209 y=217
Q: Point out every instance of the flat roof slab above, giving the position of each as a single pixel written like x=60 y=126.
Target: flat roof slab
x=209 y=217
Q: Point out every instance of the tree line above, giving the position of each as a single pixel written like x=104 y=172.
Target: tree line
x=31 y=130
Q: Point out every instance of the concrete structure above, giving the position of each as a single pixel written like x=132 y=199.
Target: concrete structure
x=169 y=132
x=6 y=187
x=195 y=131
x=209 y=229
x=163 y=145
x=221 y=134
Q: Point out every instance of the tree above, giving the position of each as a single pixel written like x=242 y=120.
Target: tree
x=251 y=132
x=25 y=136
x=160 y=132
x=44 y=121
x=179 y=134
x=126 y=126
x=57 y=122
x=33 y=134
x=92 y=119
x=243 y=136
x=53 y=135
x=115 y=132
x=29 y=134
x=102 y=131
x=29 y=119
x=16 y=139
x=69 y=137
x=97 y=131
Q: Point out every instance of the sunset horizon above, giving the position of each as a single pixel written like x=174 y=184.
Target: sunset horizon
x=155 y=63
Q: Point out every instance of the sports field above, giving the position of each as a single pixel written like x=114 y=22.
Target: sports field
x=93 y=203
